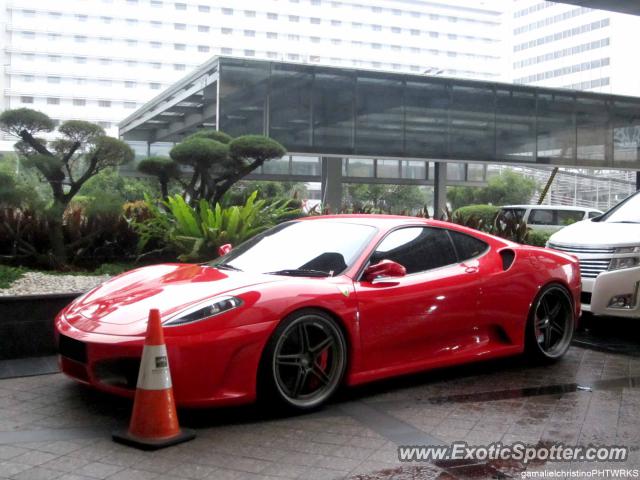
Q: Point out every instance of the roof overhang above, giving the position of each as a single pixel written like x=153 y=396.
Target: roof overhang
x=631 y=7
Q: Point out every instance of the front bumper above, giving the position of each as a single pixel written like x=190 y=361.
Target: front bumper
x=597 y=292
x=213 y=369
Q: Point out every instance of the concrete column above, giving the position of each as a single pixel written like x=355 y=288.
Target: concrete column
x=439 y=189
x=332 y=184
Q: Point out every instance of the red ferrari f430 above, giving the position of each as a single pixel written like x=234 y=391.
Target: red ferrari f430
x=312 y=304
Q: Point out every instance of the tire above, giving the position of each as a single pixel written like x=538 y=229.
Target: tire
x=550 y=325
x=304 y=361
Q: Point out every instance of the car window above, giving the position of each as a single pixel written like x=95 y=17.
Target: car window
x=567 y=217
x=467 y=246
x=594 y=214
x=417 y=249
x=516 y=214
x=541 y=217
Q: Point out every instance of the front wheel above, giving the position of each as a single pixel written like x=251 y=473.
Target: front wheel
x=304 y=361
x=551 y=324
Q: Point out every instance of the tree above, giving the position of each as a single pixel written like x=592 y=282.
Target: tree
x=218 y=161
x=163 y=168
x=507 y=188
x=386 y=197
x=80 y=151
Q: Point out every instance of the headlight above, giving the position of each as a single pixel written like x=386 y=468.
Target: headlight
x=200 y=312
x=625 y=262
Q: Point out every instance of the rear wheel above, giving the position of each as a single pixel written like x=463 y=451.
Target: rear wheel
x=304 y=361
x=551 y=324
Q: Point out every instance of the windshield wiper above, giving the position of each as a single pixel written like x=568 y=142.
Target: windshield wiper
x=227 y=266
x=301 y=272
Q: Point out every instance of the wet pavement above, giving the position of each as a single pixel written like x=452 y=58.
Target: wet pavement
x=52 y=428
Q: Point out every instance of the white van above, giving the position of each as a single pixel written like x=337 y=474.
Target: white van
x=608 y=248
x=548 y=217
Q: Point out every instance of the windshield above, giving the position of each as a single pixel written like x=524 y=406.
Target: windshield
x=318 y=248
x=627 y=211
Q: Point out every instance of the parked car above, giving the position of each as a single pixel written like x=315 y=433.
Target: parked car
x=608 y=248
x=547 y=217
x=314 y=303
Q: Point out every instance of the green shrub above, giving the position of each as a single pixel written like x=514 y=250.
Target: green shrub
x=538 y=238
x=194 y=233
x=485 y=213
x=8 y=275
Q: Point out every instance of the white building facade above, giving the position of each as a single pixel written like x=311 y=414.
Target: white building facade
x=563 y=45
x=98 y=60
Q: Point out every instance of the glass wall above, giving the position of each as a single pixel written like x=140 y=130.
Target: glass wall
x=324 y=110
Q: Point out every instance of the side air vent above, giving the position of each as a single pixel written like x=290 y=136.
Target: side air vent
x=508 y=256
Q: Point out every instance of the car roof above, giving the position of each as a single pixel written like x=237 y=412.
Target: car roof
x=375 y=220
x=554 y=207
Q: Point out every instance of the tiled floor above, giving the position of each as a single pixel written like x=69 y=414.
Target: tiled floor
x=51 y=428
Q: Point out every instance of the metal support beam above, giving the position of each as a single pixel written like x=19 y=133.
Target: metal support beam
x=439 y=189
x=638 y=181
x=332 y=184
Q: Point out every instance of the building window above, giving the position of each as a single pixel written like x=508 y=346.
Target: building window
x=336 y=23
x=28 y=78
x=53 y=101
x=227 y=11
x=179 y=46
x=336 y=41
x=181 y=6
x=272 y=16
x=80 y=81
x=376 y=46
x=104 y=103
x=131 y=63
x=106 y=19
x=315 y=39
x=226 y=31
x=250 y=53
x=156 y=3
x=226 y=50
x=129 y=84
x=396 y=30
x=415 y=32
x=81 y=18
x=154 y=86
x=249 y=33
x=29 y=13
x=54 y=58
x=203 y=48
x=315 y=21
x=26 y=99
x=376 y=28
x=104 y=83
x=156 y=65
x=80 y=39
x=53 y=79
x=132 y=2
x=156 y=44
x=131 y=22
x=294 y=38
x=203 y=28
x=129 y=104
x=156 y=24
x=53 y=36
x=179 y=66
x=179 y=26
x=131 y=43
x=105 y=40
x=272 y=54
x=294 y=18
x=80 y=59
x=79 y=102
x=293 y=56
x=204 y=8
x=272 y=35
x=29 y=35
x=55 y=15
x=249 y=13
x=104 y=61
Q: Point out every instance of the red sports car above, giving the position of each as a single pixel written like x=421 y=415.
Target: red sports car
x=312 y=304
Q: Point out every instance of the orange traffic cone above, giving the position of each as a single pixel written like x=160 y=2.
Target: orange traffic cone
x=154 y=422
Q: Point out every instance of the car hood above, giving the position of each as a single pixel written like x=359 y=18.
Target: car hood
x=589 y=233
x=127 y=298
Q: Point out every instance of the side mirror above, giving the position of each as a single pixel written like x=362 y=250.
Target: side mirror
x=224 y=249
x=384 y=268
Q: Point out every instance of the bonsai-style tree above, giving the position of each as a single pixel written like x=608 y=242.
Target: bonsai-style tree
x=80 y=151
x=164 y=168
x=218 y=161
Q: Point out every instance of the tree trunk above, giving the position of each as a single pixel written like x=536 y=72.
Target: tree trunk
x=56 y=234
x=164 y=188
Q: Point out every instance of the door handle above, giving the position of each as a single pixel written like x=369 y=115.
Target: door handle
x=471 y=269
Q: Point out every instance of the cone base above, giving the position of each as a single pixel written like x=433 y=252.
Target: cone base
x=124 y=437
